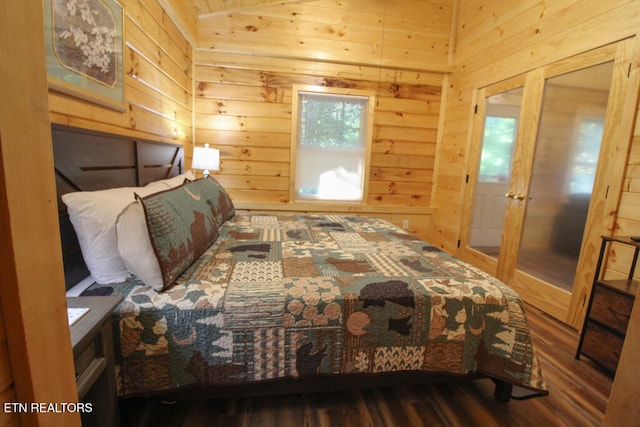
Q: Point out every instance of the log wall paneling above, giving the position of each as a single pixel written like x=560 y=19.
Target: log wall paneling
x=628 y=219
x=158 y=77
x=184 y=15
x=246 y=113
x=500 y=38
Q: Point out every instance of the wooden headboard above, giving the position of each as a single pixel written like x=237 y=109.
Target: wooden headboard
x=87 y=160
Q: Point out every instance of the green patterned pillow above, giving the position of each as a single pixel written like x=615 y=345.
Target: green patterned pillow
x=183 y=222
x=225 y=208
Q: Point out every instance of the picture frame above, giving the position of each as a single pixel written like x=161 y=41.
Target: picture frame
x=84 y=46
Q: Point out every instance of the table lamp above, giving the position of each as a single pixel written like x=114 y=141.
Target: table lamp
x=206 y=158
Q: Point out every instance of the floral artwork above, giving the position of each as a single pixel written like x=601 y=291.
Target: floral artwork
x=85 y=38
x=84 y=48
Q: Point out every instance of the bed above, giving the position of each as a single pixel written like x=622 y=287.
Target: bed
x=218 y=302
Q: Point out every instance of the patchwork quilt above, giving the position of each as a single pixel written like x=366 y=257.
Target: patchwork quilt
x=300 y=295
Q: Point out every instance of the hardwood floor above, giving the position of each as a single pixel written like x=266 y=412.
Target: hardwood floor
x=578 y=394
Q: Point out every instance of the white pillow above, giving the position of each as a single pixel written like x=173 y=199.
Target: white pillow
x=134 y=246
x=93 y=215
x=177 y=180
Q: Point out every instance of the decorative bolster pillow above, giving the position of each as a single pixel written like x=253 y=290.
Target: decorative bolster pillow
x=181 y=223
x=224 y=207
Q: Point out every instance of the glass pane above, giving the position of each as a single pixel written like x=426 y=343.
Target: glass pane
x=331 y=146
x=498 y=143
x=327 y=174
x=328 y=120
x=566 y=157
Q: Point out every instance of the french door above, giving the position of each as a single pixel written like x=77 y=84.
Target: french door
x=542 y=167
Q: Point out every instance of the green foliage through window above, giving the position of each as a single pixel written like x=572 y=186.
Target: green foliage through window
x=331 y=121
x=497 y=149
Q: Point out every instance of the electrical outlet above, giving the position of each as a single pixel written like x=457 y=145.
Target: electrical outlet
x=405 y=224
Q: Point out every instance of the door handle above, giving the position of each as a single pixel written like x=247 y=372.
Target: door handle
x=514 y=196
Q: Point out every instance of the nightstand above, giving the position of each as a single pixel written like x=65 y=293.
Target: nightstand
x=609 y=310
x=92 y=342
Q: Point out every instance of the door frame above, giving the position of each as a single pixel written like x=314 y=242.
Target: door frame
x=566 y=306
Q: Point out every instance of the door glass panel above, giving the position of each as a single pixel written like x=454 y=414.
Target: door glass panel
x=565 y=161
x=494 y=172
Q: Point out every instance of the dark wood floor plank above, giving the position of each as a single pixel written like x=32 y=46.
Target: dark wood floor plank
x=578 y=396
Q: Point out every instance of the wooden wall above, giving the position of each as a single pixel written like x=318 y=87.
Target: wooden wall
x=628 y=215
x=628 y=221
x=247 y=62
x=246 y=113
x=158 y=77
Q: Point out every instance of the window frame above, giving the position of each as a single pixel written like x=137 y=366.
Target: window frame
x=367 y=139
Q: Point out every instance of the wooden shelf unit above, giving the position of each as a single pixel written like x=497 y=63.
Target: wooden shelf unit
x=609 y=310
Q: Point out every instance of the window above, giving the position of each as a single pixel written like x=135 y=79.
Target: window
x=500 y=132
x=585 y=161
x=330 y=143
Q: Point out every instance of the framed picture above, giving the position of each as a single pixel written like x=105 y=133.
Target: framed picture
x=84 y=43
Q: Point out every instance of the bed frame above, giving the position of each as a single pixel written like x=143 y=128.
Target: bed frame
x=88 y=160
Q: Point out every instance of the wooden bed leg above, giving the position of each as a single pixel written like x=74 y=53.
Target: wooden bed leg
x=503 y=391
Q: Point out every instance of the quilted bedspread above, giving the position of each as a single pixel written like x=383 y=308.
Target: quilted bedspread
x=295 y=296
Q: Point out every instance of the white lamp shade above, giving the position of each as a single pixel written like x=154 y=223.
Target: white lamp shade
x=206 y=158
